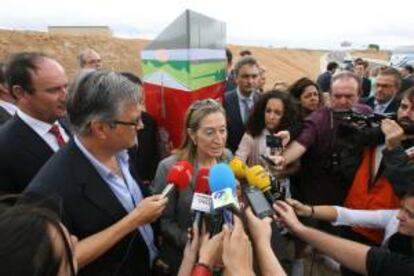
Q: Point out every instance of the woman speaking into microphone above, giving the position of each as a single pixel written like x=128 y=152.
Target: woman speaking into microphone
x=203 y=146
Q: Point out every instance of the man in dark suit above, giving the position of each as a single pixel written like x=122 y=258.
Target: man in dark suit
x=92 y=180
x=39 y=85
x=387 y=85
x=7 y=102
x=324 y=79
x=240 y=101
x=407 y=74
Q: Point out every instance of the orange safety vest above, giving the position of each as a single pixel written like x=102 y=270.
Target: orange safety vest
x=370 y=192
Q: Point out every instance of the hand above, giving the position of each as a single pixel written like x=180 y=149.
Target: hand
x=394 y=133
x=193 y=244
x=300 y=208
x=190 y=251
x=237 y=250
x=280 y=162
x=211 y=249
x=285 y=136
x=286 y=215
x=260 y=229
x=149 y=210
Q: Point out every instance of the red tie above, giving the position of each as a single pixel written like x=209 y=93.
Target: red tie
x=56 y=132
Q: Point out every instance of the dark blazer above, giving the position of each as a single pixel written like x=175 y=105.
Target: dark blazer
x=235 y=126
x=391 y=108
x=146 y=155
x=22 y=154
x=4 y=115
x=88 y=206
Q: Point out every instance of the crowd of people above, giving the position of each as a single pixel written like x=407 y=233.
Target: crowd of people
x=83 y=179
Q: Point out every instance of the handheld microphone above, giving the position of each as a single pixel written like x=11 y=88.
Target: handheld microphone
x=223 y=187
x=258 y=177
x=179 y=176
x=238 y=167
x=202 y=196
x=259 y=193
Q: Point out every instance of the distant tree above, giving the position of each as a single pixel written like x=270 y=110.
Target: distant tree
x=375 y=47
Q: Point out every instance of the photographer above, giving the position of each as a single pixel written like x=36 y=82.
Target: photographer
x=371 y=189
x=399 y=153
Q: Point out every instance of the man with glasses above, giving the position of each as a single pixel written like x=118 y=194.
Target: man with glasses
x=101 y=200
x=29 y=139
x=239 y=102
x=387 y=85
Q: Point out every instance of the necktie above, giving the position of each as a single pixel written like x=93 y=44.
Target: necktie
x=56 y=132
x=246 y=109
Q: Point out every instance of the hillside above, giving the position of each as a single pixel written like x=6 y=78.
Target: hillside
x=283 y=65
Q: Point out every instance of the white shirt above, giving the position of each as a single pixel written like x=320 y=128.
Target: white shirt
x=376 y=219
x=381 y=107
x=42 y=129
x=9 y=107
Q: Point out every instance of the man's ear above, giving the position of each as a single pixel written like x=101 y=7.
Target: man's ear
x=18 y=92
x=99 y=129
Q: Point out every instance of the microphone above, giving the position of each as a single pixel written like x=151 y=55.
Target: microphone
x=179 y=176
x=223 y=187
x=258 y=177
x=238 y=167
x=259 y=193
x=202 y=196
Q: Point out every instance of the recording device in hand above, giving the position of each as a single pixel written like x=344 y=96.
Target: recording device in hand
x=179 y=176
x=201 y=203
x=258 y=202
x=275 y=144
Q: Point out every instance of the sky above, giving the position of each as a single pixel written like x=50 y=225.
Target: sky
x=313 y=24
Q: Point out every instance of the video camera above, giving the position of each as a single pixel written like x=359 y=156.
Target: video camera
x=349 y=116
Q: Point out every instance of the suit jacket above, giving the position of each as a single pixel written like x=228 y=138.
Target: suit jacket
x=22 y=153
x=235 y=126
x=146 y=155
x=391 y=108
x=4 y=115
x=88 y=205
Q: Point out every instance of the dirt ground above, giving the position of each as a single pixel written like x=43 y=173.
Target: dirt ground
x=283 y=65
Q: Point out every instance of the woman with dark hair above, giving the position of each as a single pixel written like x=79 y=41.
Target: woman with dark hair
x=308 y=95
x=34 y=242
x=273 y=112
x=203 y=145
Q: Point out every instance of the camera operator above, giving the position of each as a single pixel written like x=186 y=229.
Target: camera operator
x=371 y=189
x=318 y=145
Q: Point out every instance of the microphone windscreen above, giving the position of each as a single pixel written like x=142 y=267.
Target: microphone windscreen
x=238 y=167
x=221 y=177
x=201 y=185
x=180 y=174
x=258 y=177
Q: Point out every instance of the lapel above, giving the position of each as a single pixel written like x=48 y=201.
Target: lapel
x=94 y=188
x=64 y=122
x=30 y=141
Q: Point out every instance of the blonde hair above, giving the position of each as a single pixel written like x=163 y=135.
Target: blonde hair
x=193 y=117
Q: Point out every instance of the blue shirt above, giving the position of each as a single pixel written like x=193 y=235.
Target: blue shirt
x=125 y=189
x=242 y=99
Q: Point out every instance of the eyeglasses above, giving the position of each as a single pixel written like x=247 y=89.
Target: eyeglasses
x=134 y=124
